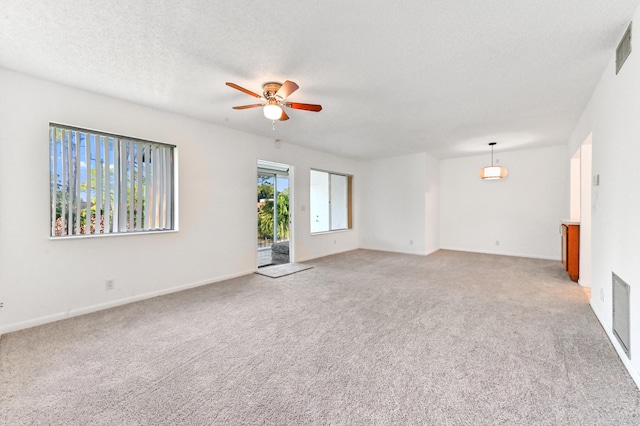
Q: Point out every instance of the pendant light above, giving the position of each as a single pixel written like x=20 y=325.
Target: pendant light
x=492 y=172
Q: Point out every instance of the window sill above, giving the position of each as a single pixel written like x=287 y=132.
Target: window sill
x=331 y=232
x=111 y=234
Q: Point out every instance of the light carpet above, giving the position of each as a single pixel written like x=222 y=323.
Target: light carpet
x=277 y=271
x=364 y=337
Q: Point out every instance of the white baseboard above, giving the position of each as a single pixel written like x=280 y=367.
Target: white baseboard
x=111 y=304
x=412 y=252
x=306 y=259
x=503 y=253
x=621 y=354
x=584 y=283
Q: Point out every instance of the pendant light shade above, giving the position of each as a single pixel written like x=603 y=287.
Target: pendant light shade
x=272 y=112
x=492 y=172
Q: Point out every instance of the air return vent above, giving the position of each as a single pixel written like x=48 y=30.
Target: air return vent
x=621 y=312
x=624 y=49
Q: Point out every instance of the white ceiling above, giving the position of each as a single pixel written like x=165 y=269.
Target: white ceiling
x=445 y=77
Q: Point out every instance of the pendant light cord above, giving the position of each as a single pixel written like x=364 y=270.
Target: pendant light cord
x=491 y=144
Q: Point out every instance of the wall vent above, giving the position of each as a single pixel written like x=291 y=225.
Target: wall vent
x=624 y=49
x=621 y=312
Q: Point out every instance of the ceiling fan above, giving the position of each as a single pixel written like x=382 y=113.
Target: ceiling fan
x=275 y=95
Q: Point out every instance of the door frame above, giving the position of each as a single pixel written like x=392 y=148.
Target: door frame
x=272 y=166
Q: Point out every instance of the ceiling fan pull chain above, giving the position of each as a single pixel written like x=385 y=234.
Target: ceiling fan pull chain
x=273 y=122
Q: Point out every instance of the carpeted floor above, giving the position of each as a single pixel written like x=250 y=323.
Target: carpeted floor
x=364 y=337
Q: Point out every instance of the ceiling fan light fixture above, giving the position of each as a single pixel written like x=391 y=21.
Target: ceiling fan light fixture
x=492 y=172
x=272 y=112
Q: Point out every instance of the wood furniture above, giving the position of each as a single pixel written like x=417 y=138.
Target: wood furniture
x=571 y=249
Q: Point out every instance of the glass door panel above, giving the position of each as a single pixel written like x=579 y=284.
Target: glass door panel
x=273 y=217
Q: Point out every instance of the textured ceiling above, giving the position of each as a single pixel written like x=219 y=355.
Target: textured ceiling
x=445 y=77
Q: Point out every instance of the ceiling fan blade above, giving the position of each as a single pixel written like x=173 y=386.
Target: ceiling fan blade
x=242 y=89
x=284 y=116
x=287 y=88
x=248 y=106
x=306 y=107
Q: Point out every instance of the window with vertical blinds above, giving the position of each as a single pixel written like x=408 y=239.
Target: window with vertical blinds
x=103 y=183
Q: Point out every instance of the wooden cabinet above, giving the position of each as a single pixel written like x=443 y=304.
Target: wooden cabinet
x=571 y=249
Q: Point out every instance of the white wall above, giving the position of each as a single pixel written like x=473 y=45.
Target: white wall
x=521 y=212
x=612 y=118
x=585 y=213
x=432 y=205
x=399 y=204
x=43 y=280
x=575 y=187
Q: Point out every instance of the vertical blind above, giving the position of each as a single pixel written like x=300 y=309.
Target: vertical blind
x=103 y=183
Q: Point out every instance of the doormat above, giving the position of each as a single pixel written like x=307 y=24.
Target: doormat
x=278 y=271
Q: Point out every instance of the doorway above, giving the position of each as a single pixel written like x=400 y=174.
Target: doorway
x=583 y=186
x=274 y=221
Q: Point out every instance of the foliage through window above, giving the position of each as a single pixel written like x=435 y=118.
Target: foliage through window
x=267 y=208
x=103 y=183
x=330 y=205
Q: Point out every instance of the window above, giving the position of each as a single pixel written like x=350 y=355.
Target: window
x=103 y=183
x=330 y=201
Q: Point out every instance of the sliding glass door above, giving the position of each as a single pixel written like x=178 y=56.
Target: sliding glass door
x=273 y=214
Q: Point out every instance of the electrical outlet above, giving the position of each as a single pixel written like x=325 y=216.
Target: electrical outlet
x=410 y=242
x=602 y=294
x=1 y=304
x=497 y=243
x=109 y=284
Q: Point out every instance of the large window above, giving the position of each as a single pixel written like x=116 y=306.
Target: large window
x=330 y=201
x=103 y=183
